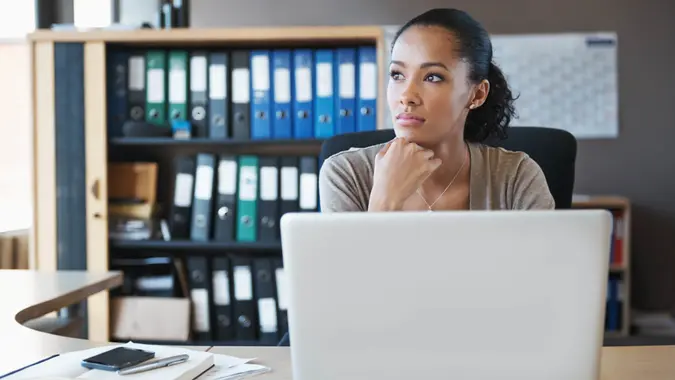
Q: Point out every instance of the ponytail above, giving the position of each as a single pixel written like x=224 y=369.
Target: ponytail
x=491 y=119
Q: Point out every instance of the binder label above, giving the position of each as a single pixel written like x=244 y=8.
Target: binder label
x=347 y=81
x=200 y=307
x=303 y=84
x=243 y=283
x=248 y=185
x=281 y=288
x=198 y=74
x=261 y=73
x=221 y=288
x=137 y=73
x=267 y=313
x=324 y=80
x=227 y=177
x=368 y=76
x=204 y=182
x=289 y=183
x=268 y=183
x=183 y=193
x=240 y=84
x=282 y=85
x=177 y=87
x=308 y=191
x=155 y=86
x=217 y=82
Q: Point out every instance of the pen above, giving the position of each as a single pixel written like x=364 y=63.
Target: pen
x=153 y=365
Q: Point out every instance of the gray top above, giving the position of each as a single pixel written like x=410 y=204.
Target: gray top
x=499 y=179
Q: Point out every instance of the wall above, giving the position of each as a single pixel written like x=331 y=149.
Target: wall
x=638 y=164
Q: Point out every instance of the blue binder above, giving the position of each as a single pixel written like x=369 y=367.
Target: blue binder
x=261 y=88
x=303 y=100
x=367 y=118
x=345 y=61
x=324 y=93
x=283 y=94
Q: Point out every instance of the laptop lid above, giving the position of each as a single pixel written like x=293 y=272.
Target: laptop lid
x=447 y=295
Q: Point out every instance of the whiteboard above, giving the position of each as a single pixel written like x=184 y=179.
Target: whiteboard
x=563 y=80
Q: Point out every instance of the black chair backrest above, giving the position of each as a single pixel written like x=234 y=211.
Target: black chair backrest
x=555 y=150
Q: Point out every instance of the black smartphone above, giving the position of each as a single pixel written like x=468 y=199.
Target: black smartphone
x=117 y=358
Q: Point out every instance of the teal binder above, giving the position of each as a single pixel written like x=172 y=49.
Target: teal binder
x=247 y=199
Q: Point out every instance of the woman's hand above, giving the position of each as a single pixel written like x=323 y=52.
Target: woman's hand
x=400 y=168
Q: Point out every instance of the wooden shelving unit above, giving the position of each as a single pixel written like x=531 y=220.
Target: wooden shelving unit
x=618 y=309
x=99 y=150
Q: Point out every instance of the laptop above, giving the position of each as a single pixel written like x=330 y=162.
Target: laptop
x=447 y=295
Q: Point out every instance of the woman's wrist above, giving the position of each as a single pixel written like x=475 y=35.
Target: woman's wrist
x=382 y=203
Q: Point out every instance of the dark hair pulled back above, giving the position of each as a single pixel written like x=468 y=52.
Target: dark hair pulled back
x=492 y=119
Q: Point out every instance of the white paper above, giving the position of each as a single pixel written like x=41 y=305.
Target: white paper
x=137 y=73
x=269 y=180
x=282 y=85
x=231 y=368
x=227 y=177
x=303 y=84
x=347 y=81
x=368 y=79
x=243 y=283
x=308 y=191
x=204 y=183
x=183 y=193
x=248 y=183
x=240 y=86
x=289 y=183
x=282 y=292
x=221 y=288
x=267 y=315
x=198 y=74
x=217 y=82
x=200 y=307
x=177 y=86
x=260 y=65
x=155 y=86
x=324 y=80
x=566 y=80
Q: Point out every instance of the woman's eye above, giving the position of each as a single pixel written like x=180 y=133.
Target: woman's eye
x=395 y=75
x=433 y=78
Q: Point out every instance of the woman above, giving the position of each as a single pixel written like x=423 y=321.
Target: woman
x=446 y=99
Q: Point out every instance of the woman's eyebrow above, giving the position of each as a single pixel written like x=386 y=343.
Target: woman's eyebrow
x=423 y=65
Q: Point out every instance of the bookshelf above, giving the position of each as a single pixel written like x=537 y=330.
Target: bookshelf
x=72 y=108
x=618 y=318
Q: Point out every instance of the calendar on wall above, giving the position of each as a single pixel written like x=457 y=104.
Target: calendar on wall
x=563 y=80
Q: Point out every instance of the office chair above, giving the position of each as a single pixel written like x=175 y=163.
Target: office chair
x=555 y=151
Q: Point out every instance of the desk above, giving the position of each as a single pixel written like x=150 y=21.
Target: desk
x=29 y=294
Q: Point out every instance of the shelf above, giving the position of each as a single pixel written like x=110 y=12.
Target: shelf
x=163 y=146
x=199 y=343
x=187 y=247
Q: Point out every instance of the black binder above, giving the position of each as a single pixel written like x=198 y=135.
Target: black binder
x=136 y=86
x=289 y=181
x=241 y=95
x=181 y=213
x=281 y=295
x=268 y=200
x=200 y=291
x=226 y=199
x=268 y=332
x=199 y=93
x=200 y=227
x=309 y=185
x=219 y=98
x=246 y=320
x=222 y=300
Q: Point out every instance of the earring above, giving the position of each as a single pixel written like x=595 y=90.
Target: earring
x=472 y=106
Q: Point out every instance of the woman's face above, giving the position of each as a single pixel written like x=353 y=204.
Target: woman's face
x=428 y=91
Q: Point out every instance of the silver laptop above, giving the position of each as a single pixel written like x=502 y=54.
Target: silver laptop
x=447 y=295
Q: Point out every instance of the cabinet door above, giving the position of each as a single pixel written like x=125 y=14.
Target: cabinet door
x=97 y=183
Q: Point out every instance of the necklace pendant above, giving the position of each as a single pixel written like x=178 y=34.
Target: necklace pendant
x=430 y=210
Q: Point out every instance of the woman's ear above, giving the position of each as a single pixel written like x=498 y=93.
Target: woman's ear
x=480 y=93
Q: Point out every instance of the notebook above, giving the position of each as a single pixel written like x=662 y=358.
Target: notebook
x=68 y=366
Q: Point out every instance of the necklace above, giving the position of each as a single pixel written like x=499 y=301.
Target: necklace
x=430 y=206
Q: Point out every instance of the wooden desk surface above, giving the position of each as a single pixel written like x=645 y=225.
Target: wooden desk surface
x=29 y=294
